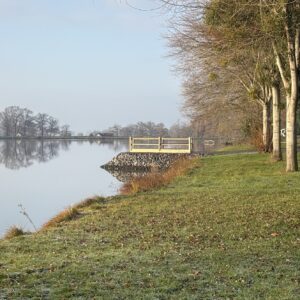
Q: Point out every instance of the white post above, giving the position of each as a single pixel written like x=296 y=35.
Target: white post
x=190 y=144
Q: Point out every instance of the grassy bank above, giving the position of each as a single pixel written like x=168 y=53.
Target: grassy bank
x=228 y=229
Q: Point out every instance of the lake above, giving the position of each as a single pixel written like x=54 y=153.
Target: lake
x=47 y=177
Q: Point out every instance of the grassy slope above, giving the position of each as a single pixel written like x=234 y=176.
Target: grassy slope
x=230 y=229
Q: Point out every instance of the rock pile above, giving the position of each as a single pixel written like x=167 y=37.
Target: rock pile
x=129 y=161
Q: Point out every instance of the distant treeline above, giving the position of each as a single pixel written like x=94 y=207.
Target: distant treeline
x=17 y=122
x=152 y=129
x=22 y=122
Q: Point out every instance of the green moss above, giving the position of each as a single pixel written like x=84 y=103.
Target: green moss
x=229 y=229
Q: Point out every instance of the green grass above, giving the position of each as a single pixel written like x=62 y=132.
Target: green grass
x=227 y=230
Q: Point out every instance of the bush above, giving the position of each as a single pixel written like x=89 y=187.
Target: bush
x=256 y=139
x=12 y=232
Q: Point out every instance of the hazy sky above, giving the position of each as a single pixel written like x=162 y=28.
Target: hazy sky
x=90 y=63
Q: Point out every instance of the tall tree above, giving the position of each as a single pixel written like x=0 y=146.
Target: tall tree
x=285 y=37
x=42 y=124
x=53 y=126
x=260 y=25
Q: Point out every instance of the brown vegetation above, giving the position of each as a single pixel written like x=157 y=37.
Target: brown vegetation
x=256 y=139
x=88 y=202
x=13 y=232
x=66 y=215
x=156 y=179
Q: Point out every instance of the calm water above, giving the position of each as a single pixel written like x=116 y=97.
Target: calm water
x=46 y=177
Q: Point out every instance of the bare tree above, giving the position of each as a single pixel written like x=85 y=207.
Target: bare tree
x=268 y=29
x=28 y=126
x=65 y=131
x=42 y=124
x=287 y=34
x=53 y=126
x=11 y=120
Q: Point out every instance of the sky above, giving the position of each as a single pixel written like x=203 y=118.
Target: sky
x=89 y=63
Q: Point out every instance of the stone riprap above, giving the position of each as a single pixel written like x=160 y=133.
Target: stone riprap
x=127 y=161
x=128 y=175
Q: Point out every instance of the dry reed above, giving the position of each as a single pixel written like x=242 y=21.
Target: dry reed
x=155 y=179
x=66 y=215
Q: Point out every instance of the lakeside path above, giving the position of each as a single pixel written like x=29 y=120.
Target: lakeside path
x=229 y=229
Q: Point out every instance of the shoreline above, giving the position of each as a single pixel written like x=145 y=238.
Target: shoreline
x=63 y=138
x=226 y=229
x=127 y=161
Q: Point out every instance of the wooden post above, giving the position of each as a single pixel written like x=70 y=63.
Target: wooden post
x=130 y=144
x=159 y=143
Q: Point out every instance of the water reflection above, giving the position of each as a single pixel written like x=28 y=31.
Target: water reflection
x=17 y=154
x=125 y=176
x=45 y=177
x=201 y=147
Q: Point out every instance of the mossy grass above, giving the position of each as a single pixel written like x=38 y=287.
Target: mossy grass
x=228 y=229
x=89 y=202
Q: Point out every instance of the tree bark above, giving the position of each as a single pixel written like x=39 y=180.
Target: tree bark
x=267 y=126
x=291 y=110
x=291 y=86
x=277 y=154
x=291 y=134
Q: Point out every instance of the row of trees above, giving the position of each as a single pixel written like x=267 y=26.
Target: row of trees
x=179 y=129
x=139 y=129
x=243 y=58
x=197 y=128
x=22 y=122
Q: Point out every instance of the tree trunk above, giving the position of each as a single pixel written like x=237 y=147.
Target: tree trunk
x=277 y=155
x=15 y=129
x=266 y=127
x=291 y=134
x=293 y=42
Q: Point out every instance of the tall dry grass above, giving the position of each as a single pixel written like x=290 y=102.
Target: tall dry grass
x=156 y=179
x=66 y=215
x=88 y=202
x=13 y=232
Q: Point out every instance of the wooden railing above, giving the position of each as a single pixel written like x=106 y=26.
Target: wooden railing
x=160 y=145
